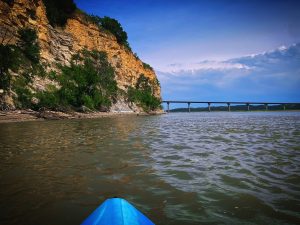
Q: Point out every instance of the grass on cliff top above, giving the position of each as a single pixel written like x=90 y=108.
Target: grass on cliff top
x=58 y=12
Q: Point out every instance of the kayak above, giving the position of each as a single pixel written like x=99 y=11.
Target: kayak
x=116 y=211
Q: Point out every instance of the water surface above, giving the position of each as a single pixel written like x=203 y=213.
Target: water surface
x=180 y=168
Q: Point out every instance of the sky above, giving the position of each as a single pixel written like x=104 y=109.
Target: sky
x=221 y=50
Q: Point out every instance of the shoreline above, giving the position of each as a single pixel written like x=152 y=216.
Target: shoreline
x=30 y=115
x=287 y=110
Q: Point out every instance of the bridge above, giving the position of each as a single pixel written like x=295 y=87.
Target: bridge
x=266 y=104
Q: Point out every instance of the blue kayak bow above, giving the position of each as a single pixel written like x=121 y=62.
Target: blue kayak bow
x=117 y=211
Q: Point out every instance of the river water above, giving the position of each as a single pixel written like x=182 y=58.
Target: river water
x=179 y=168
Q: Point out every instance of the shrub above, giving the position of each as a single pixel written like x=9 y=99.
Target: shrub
x=93 y=19
x=24 y=95
x=143 y=94
x=58 y=11
x=111 y=25
x=157 y=82
x=10 y=2
x=88 y=81
x=29 y=45
x=136 y=56
x=32 y=14
x=9 y=59
x=48 y=99
x=25 y=55
x=115 y=28
x=147 y=66
x=51 y=75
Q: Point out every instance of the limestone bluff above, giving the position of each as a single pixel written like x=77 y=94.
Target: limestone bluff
x=58 y=44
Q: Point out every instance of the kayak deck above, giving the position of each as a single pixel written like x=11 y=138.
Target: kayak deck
x=117 y=211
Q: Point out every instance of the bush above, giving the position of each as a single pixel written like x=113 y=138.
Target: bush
x=136 y=56
x=32 y=14
x=10 y=2
x=24 y=95
x=88 y=81
x=59 y=11
x=24 y=55
x=111 y=25
x=9 y=59
x=29 y=45
x=115 y=28
x=92 y=18
x=143 y=94
x=147 y=66
x=48 y=99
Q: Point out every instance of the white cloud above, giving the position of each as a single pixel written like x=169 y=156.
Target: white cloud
x=271 y=73
x=282 y=48
x=194 y=68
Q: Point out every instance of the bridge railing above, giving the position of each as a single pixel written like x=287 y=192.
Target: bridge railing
x=266 y=104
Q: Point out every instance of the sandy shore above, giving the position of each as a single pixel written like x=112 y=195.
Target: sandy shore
x=30 y=115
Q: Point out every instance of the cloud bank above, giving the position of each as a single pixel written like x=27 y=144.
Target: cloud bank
x=269 y=76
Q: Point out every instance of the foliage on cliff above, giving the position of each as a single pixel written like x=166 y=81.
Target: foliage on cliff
x=25 y=53
x=143 y=94
x=147 y=66
x=111 y=25
x=29 y=45
x=89 y=81
x=19 y=64
x=58 y=11
x=7 y=61
x=116 y=29
x=10 y=2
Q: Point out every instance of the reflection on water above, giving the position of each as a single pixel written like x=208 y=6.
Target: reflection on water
x=185 y=168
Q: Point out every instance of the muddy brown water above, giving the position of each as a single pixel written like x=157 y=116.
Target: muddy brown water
x=179 y=168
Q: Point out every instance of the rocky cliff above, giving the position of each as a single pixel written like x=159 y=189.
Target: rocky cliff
x=58 y=44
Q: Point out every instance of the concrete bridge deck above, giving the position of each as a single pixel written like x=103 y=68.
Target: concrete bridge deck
x=228 y=103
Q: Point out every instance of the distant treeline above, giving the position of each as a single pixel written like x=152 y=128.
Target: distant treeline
x=240 y=108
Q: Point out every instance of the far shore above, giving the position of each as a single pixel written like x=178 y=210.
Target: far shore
x=30 y=115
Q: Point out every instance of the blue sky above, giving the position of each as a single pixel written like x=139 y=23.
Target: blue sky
x=199 y=48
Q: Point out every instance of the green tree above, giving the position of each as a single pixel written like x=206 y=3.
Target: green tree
x=143 y=83
x=24 y=95
x=29 y=44
x=143 y=94
x=147 y=66
x=9 y=60
x=116 y=29
x=58 y=11
x=88 y=81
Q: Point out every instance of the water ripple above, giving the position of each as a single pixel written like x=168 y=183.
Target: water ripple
x=185 y=168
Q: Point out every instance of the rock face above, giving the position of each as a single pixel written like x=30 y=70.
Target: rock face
x=59 y=44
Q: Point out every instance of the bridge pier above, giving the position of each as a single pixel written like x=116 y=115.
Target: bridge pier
x=228 y=104
x=261 y=105
x=266 y=105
